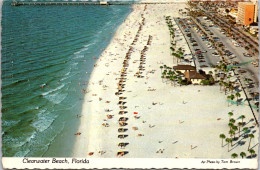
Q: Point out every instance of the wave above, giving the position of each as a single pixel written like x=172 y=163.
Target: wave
x=80 y=51
x=17 y=141
x=84 y=49
x=109 y=21
x=90 y=44
x=67 y=73
x=56 y=98
x=9 y=123
x=74 y=64
x=53 y=90
x=44 y=121
x=14 y=83
x=64 y=78
x=45 y=139
x=22 y=153
x=79 y=55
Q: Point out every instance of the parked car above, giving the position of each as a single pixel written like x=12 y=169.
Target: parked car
x=215 y=54
x=247 y=55
x=236 y=44
x=255 y=64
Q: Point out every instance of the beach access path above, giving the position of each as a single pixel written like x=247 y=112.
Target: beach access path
x=170 y=122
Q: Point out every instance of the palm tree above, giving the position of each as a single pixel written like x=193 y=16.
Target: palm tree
x=222 y=136
x=231 y=132
x=232 y=97
x=243 y=154
x=220 y=84
x=225 y=87
x=174 y=78
x=228 y=140
x=250 y=136
x=161 y=67
x=228 y=77
x=230 y=114
x=164 y=73
x=228 y=98
x=234 y=129
x=231 y=88
x=251 y=151
x=232 y=120
x=237 y=95
x=242 y=117
x=230 y=125
x=240 y=124
x=234 y=155
x=245 y=131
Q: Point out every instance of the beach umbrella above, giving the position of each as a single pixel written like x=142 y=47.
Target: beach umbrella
x=122 y=124
x=120 y=129
x=135 y=128
x=121 y=136
x=135 y=113
x=122 y=107
x=120 y=153
x=121 y=112
x=122 y=144
x=109 y=116
x=122 y=119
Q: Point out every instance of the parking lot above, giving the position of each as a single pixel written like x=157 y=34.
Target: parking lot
x=236 y=56
x=202 y=55
x=205 y=54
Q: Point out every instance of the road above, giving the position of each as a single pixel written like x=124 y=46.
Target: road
x=218 y=19
x=252 y=71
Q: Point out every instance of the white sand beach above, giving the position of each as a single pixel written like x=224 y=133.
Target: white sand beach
x=183 y=122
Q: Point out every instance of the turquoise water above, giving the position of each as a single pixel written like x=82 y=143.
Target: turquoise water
x=46 y=52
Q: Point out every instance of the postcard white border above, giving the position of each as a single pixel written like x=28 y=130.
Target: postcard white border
x=90 y=163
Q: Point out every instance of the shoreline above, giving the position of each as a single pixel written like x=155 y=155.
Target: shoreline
x=172 y=128
x=89 y=88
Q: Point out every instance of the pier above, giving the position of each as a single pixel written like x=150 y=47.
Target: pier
x=20 y=3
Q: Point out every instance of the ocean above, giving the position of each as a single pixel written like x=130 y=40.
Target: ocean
x=48 y=53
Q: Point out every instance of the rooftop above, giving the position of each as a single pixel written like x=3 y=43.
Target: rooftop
x=194 y=75
x=184 y=67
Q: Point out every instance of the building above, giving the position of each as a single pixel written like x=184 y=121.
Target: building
x=246 y=13
x=256 y=13
x=190 y=73
x=233 y=12
x=103 y=3
x=184 y=68
x=254 y=29
x=194 y=77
